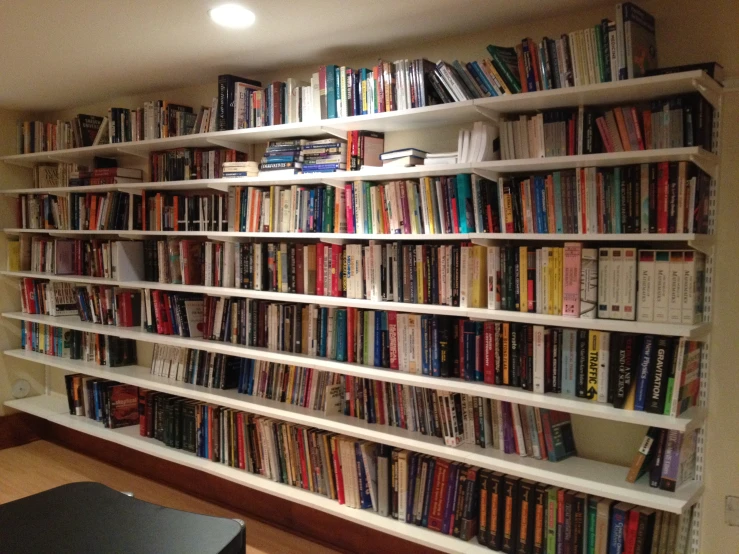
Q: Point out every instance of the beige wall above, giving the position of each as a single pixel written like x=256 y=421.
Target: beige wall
x=689 y=31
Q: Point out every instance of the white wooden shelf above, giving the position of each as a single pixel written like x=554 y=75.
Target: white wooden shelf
x=551 y=401
x=458 y=113
x=583 y=475
x=699 y=242
x=689 y=331
x=707 y=161
x=53 y=408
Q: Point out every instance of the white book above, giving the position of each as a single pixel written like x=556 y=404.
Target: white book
x=604 y=283
x=539 y=378
x=646 y=286
x=628 y=284
x=661 y=286
x=615 y=283
x=518 y=429
x=603 y=366
x=464 y=274
x=675 y=287
x=692 y=301
x=493 y=266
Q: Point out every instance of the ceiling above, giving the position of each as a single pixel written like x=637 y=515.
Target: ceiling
x=56 y=54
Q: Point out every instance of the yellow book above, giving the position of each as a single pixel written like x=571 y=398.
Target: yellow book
x=272 y=200
x=14 y=255
x=482 y=257
x=430 y=204
x=523 y=277
x=420 y=273
x=291 y=381
x=557 y=306
x=593 y=359
x=550 y=281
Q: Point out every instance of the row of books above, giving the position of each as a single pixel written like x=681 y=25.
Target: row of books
x=458 y=419
x=184 y=211
x=292 y=156
x=502 y=511
x=47 y=297
x=667 y=456
x=38 y=136
x=675 y=122
x=105 y=350
x=664 y=197
x=109 y=402
x=106 y=211
x=184 y=164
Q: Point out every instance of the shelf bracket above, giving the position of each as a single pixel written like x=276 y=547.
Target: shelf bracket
x=220 y=238
x=223 y=187
x=334 y=132
x=705 y=164
x=492 y=115
x=330 y=240
x=713 y=97
x=137 y=152
x=132 y=191
x=61 y=234
x=486 y=173
x=239 y=147
x=703 y=244
x=484 y=242
x=338 y=184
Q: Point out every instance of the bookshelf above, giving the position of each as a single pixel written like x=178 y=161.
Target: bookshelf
x=580 y=474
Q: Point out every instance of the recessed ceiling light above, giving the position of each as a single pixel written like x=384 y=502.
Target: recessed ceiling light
x=234 y=16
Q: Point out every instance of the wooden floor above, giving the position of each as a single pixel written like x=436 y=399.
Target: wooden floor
x=41 y=465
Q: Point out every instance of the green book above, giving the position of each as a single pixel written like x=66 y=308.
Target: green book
x=552 y=520
x=505 y=61
x=599 y=54
x=592 y=516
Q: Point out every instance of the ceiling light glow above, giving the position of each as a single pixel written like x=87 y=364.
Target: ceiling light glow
x=233 y=16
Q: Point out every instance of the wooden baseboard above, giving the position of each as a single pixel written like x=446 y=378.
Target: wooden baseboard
x=294 y=518
x=18 y=429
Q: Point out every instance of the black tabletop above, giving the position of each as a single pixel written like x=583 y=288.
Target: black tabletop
x=89 y=517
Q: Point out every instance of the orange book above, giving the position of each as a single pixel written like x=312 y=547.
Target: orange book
x=176 y=213
x=521 y=68
x=622 y=130
x=385 y=216
x=158 y=210
x=349 y=142
x=93 y=213
x=646 y=117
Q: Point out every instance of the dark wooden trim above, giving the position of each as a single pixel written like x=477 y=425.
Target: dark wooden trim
x=303 y=521
x=18 y=429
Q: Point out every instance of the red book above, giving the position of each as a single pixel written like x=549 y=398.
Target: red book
x=142 y=412
x=454 y=208
x=438 y=494
x=521 y=68
x=630 y=532
x=166 y=312
x=240 y=438
x=540 y=434
x=604 y=135
x=534 y=51
x=663 y=185
x=319 y=269
x=157 y=305
x=403 y=195
x=385 y=212
x=303 y=468
x=392 y=324
x=637 y=127
x=489 y=352
x=336 y=251
x=337 y=470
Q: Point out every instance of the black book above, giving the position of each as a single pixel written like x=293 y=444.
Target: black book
x=515 y=354
x=581 y=367
x=672 y=197
x=226 y=92
x=483 y=530
x=527 y=514
x=497 y=510
x=470 y=510
x=658 y=379
x=627 y=354
x=655 y=468
x=512 y=511
x=541 y=501
x=580 y=505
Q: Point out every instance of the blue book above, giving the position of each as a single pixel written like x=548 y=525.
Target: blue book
x=642 y=377
x=468 y=341
x=331 y=92
x=97 y=409
x=426 y=344
x=362 y=79
x=367 y=206
x=412 y=470
x=23 y=335
x=530 y=79
x=618 y=527
x=322 y=342
x=435 y=350
x=482 y=79
x=479 y=347
x=378 y=338
x=340 y=324
x=427 y=492
x=541 y=213
x=557 y=178
x=617 y=198
x=569 y=361
x=450 y=497
x=464 y=204
x=365 y=498
x=338 y=91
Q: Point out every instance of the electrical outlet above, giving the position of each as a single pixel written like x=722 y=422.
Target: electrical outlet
x=731 y=511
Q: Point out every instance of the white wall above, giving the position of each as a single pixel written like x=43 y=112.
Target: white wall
x=689 y=31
